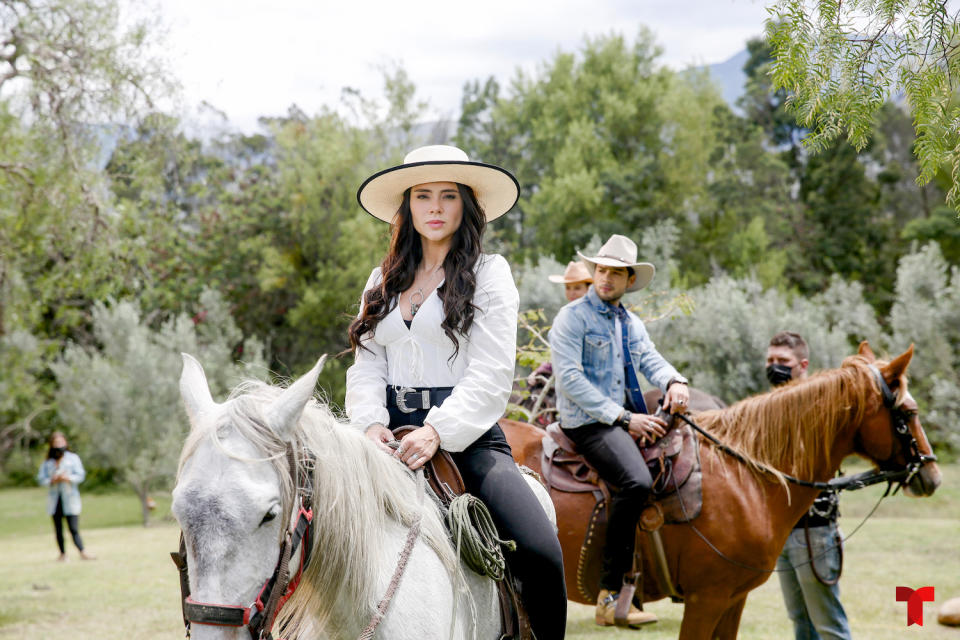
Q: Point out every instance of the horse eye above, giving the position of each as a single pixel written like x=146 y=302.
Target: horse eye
x=268 y=516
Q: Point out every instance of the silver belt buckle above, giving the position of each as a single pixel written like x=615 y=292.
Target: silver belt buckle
x=401 y=399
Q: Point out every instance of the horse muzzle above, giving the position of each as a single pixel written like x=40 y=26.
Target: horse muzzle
x=924 y=482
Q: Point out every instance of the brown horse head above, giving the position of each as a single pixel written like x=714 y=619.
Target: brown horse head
x=879 y=439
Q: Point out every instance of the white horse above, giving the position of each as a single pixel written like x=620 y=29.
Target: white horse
x=235 y=501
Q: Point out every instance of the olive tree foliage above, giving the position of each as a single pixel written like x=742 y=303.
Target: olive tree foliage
x=927 y=315
x=842 y=60
x=122 y=400
x=722 y=343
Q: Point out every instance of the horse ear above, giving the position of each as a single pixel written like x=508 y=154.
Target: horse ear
x=865 y=351
x=898 y=366
x=284 y=412
x=194 y=389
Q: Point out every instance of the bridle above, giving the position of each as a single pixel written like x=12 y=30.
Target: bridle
x=900 y=419
x=259 y=616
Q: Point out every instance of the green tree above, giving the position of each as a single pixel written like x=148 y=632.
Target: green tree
x=123 y=397
x=583 y=136
x=839 y=232
x=270 y=220
x=66 y=67
x=842 y=61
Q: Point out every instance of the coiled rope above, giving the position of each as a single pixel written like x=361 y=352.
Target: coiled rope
x=478 y=544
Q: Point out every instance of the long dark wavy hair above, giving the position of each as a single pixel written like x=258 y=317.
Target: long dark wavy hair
x=399 y=268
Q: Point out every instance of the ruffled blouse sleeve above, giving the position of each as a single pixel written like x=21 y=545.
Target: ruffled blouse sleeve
x=480 y=397
x=366 y=397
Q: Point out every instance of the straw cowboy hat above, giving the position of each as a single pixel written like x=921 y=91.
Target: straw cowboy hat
x=575 y=272
x=382 y=193
x=621 y=251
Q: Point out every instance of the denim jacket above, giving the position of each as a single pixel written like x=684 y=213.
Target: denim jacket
x=588 y=366
x=65 y=492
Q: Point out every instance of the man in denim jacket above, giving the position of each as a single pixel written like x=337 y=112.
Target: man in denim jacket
x=598 y=351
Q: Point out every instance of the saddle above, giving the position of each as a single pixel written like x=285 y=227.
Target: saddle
x=673 y=460
x=676 y=496
x=444 y=479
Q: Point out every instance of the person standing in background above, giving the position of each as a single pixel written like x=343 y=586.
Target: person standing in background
x=62 y=471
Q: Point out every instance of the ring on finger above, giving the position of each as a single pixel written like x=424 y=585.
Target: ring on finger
x=414 y=458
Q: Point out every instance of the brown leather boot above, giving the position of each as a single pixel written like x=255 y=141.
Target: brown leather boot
x=607 y=605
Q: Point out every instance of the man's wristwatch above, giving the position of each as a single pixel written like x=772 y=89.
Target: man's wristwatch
x=681 y=381
x=624 y=419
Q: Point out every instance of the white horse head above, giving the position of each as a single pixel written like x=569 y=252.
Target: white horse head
x=235 y=499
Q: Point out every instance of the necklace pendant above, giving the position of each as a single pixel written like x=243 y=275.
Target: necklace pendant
x=414 y=303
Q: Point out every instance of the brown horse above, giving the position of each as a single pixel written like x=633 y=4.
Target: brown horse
x=805 y=429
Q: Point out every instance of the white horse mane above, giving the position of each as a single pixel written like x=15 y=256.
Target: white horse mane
x=357 y=491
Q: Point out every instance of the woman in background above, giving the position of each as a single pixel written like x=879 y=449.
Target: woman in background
x=62 y=471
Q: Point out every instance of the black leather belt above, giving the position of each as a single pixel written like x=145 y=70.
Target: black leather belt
x=410 y=399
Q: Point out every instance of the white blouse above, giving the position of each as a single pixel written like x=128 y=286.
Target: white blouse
x=481 y=373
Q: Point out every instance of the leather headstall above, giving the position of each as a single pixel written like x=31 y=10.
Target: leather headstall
x=900 y=421
x=259 y=616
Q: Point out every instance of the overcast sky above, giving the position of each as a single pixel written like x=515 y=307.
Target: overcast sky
x=257 y=57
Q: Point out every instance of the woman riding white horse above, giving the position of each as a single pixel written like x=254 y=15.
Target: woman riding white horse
x=434 y=347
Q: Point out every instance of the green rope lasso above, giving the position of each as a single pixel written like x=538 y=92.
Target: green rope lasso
x=478 y=544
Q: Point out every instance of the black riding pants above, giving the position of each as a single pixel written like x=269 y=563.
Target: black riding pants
x=614 y=454
x=73 y=522
x=490 y=474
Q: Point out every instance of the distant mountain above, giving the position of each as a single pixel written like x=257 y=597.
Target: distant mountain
x=730 y=77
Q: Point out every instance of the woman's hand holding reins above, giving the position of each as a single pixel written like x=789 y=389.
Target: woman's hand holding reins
x=418 y=446
x=380 y=436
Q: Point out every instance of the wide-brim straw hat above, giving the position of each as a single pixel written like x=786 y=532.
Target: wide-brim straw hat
x=496 y=189
x=576 y=271
x=621 y=251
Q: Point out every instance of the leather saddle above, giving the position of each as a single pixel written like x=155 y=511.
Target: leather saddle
x=673 y=460
x=444 y=479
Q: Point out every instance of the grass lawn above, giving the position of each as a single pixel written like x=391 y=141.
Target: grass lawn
x=131 y=590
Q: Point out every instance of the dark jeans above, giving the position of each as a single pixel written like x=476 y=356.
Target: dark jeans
x=614 y=454
x=490 y=474
x=73 y=522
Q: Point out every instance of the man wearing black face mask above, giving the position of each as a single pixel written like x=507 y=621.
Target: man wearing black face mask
x=809 y=565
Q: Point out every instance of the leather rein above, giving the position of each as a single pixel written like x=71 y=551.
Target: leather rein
x=900 y=421
x=259 y=616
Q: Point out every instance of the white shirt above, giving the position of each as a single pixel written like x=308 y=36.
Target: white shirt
x=481 y=374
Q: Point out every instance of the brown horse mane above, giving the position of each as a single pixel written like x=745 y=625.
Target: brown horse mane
x=792 y=427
